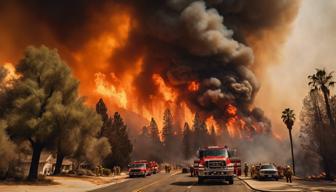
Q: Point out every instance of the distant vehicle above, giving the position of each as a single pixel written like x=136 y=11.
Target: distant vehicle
x=194 y=169
x=215 y=163
x=139 y=168
x=268 y=171
x=155 y=167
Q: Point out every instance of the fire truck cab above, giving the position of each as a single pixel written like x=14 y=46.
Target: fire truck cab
x=215 y=163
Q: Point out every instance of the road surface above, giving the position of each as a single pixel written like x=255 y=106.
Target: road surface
x=173 y=182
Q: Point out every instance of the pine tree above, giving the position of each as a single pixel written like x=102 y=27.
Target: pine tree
x=167 y=130
x=39 y=101
x=187 y=141
x=102 y=110
x=121 y=145
x=197 y=132
x=144 y=132
x=204 y=135
x=154 y=132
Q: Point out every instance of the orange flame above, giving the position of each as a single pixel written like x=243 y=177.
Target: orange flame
x=210 y=121
x=193 y=86
x=104 y=88
x=167 y=92
x=11 y=74
x=235 y=125
x=231 y=110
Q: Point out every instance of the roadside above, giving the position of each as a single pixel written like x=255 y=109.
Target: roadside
x=64 y=184
x=281 y=185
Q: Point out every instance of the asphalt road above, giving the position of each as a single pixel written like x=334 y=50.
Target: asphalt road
x=173 y=182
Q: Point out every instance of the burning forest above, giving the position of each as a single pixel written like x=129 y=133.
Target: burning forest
x=143 y=56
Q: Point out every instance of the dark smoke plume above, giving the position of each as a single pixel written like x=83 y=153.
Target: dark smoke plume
x=213 y=42
x=207 y=42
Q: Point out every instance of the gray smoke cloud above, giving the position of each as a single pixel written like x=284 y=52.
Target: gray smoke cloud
x=207 y=41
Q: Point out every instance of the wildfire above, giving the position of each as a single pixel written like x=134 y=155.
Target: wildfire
x=11 y=74
x=167 y=92
x=235 y=125
x=231 y=110
x=232 y=128
x=193 y=86
x=210 y=121
x=103 y=87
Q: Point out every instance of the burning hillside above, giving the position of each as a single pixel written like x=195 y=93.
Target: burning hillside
x=144 y=56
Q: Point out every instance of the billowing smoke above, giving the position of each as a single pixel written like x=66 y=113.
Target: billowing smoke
x=214 y=45
x=211 y=43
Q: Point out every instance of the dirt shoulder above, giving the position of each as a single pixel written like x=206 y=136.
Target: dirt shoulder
x=62 y=184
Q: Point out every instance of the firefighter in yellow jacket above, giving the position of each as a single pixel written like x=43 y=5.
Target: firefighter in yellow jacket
x=288 y=174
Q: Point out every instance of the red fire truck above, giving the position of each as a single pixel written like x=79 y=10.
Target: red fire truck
x=218 y=163
x=139 y=168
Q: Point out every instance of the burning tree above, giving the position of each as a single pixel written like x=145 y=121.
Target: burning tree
x=167 y=132
x=187 y=142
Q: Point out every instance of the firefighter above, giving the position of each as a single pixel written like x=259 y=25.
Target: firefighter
x=166 y=168
x=114 y=170
x=246 y=169
x=288 y=174
x=117 y=170
x=280 y=171
x=252 y=171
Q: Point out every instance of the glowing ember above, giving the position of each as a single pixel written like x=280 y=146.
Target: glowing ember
x=231 y=110
x=193 y=86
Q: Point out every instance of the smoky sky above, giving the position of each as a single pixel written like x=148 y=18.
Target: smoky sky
x=208 y=41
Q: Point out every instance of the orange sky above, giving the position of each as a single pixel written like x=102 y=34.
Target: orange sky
x=311 y=45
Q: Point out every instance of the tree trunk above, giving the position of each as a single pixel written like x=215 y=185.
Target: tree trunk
x=326 y=165
x=33 y=171
x=291 y=143
x=331 y=119
x=59 y=161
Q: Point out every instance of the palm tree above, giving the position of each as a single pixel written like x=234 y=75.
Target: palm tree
x=323 y=81
x=288 y=117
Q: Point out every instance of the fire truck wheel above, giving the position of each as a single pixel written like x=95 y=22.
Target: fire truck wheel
x=200 y=180
x=231 y=181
